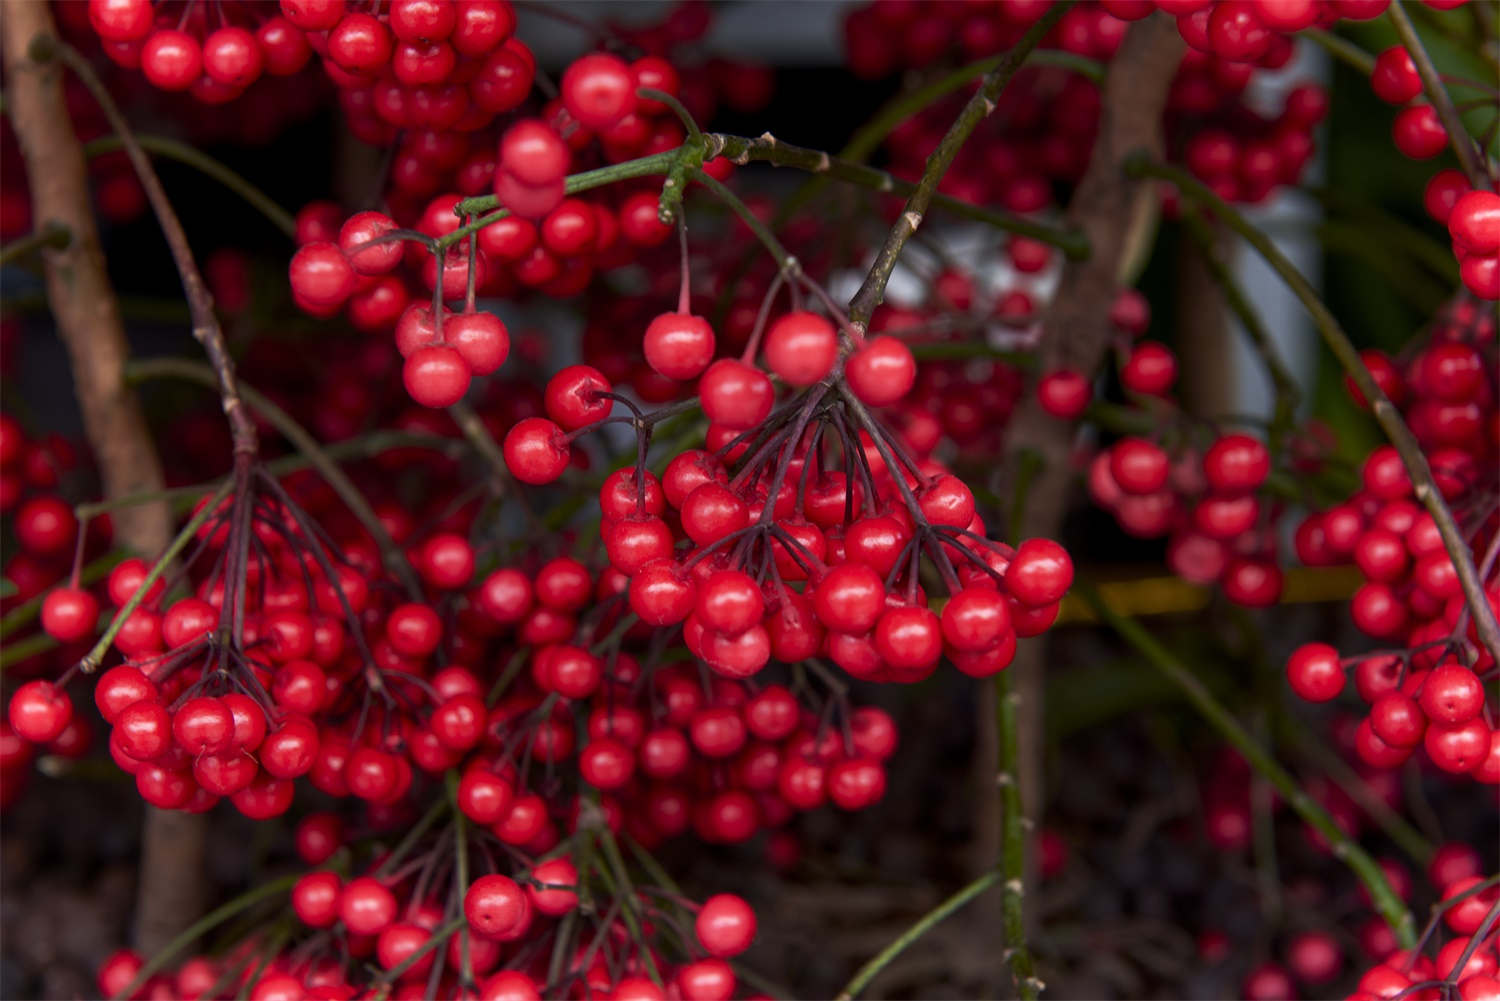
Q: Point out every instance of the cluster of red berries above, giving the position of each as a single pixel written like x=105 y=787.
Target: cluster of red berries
x=1429 y=692
x=1047 y=117
x=1474 y=227
x=1467 y=965
x=770 y=503
x=215 y=54
x=1204 y=488
x=407 y=935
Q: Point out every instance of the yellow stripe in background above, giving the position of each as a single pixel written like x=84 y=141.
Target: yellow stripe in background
x=1163 y=595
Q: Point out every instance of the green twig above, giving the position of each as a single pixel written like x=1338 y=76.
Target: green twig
x=1365 y=868
x=52 y=236
x=171 y=149
x=1013 y=825
x=1386 y=415
x=95 y=656
x=390 y=553
x=1437 y=94
x=979 y=107
x=1288 y=394
x=925 y=924
x=1342 y=49
x=206 y=924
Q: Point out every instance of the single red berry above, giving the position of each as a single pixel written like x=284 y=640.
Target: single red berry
x=1064 y=394
x=598 y=90
x=1394 y=77
x=725 y=925
x=536 y=451
x=1314 y=672
x=881 y=371
x=801 y=348
x=69 y=614
x=171 y=59
x=679 y=345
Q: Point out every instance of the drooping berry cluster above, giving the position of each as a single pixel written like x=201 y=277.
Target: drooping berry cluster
x=1428 y=691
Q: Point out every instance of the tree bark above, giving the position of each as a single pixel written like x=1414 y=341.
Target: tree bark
x=87 y=315
x=1076 y=334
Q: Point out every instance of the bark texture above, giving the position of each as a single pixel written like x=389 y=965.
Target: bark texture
x=169 y=894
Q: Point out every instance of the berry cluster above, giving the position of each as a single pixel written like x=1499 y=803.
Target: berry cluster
x=1047 y=117
x=814 y=491
x=412 y=926
x=213 y=53
x=1429 y=691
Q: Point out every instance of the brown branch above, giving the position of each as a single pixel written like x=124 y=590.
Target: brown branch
x=1076 y=333
x=206 y=329
x=978 y=108
x=87 y=315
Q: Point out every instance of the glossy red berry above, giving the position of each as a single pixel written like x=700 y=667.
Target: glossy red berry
x=679 y=345
x=536 y=451
x=801 y=348
x=881 y=371
x=725 y=925
x=1314 y=672
x=598 y=90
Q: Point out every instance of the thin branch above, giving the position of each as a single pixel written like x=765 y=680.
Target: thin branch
x=52 y=236
x=390 y=551
x=1365 y=868
x=1288 y=394
x=1013 y=831
x=1437 y=94
x=1386 y=414
x=206 y=328
x=925 y=924
x=205 y=164
x=1341 y=49
x=975 y=111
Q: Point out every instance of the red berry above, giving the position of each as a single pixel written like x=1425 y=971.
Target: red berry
x=598 y=90
x=725 y=925
x=679 y=345
x=881 y=371
x=536 y=451
x=801 y=348
x=1314 y=672
x=69 y=614
x=1394 y=78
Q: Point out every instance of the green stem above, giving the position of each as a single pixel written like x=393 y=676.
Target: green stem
x=768 y=149
x=1393 y=824
x=925 y=924
x=979 y=107
x=89 y=574
x=390 y=553
x=206 y=924
x=461 y=873
x=171 y=149
x=1013 y=825
x=363 y=447
x=626 y=892
x=645 y=166
x=52 y=236
x=1386 y=414
x=1437 y=94
x=761 y=230
x=1288 y=395
x=903 y=106
x=1365 y=868
x=94 y=657
x=21 y=650
x=1342 y=49
x=484 y=443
